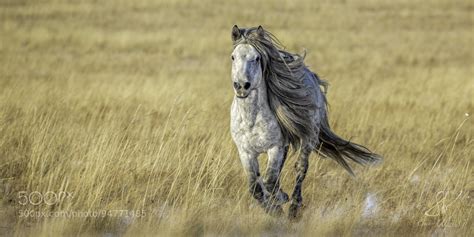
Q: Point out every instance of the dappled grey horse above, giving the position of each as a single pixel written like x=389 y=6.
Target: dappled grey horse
x=279 y=102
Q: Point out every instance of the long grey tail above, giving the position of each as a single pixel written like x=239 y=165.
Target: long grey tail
x=341 y=150
x=337 y=148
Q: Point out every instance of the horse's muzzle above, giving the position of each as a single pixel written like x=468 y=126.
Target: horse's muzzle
x=242 y=97
x=242 y=89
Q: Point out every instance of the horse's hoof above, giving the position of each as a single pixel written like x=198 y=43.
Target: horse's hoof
x=295 y=212
x=280 y=198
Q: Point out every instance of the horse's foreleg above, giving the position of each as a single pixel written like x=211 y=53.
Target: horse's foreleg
x=276 y=160
x=250 y=164
x=301 y=167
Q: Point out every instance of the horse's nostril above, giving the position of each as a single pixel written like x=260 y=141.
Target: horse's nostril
x=236 y=85
x=247 y=85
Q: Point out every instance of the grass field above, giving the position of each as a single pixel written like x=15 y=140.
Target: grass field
x=124 y=105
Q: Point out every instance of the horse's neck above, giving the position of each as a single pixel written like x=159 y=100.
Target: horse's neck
x=255 y=103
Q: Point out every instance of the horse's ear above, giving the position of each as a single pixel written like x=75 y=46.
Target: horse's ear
x=236 y=35
x=260 y=31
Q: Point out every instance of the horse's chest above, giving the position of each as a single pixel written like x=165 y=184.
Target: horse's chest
x=258 y=132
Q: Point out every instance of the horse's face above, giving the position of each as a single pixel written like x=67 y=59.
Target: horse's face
x=246 y=70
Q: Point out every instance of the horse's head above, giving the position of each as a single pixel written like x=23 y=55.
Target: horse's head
x=246 y=64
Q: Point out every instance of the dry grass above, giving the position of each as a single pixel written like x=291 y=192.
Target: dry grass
x=125 y=104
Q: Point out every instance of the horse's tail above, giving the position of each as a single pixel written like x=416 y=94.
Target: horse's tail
x=339 y=149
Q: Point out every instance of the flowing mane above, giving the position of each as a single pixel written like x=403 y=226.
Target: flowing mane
x=288 y=97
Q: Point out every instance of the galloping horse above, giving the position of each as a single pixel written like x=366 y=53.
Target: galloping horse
x=279 y=102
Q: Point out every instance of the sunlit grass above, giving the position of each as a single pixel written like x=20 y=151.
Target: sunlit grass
x=125 y=105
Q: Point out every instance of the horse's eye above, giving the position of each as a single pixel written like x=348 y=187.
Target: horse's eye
x=257 y=59
x=232 y=57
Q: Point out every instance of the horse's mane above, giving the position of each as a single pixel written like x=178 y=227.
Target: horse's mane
x=288 y=95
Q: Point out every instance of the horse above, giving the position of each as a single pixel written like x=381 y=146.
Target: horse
x=279 y=103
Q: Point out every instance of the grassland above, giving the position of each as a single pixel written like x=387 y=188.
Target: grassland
x=125 y=105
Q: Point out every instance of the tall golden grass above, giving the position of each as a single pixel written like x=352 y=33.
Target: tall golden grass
x=125 y=105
